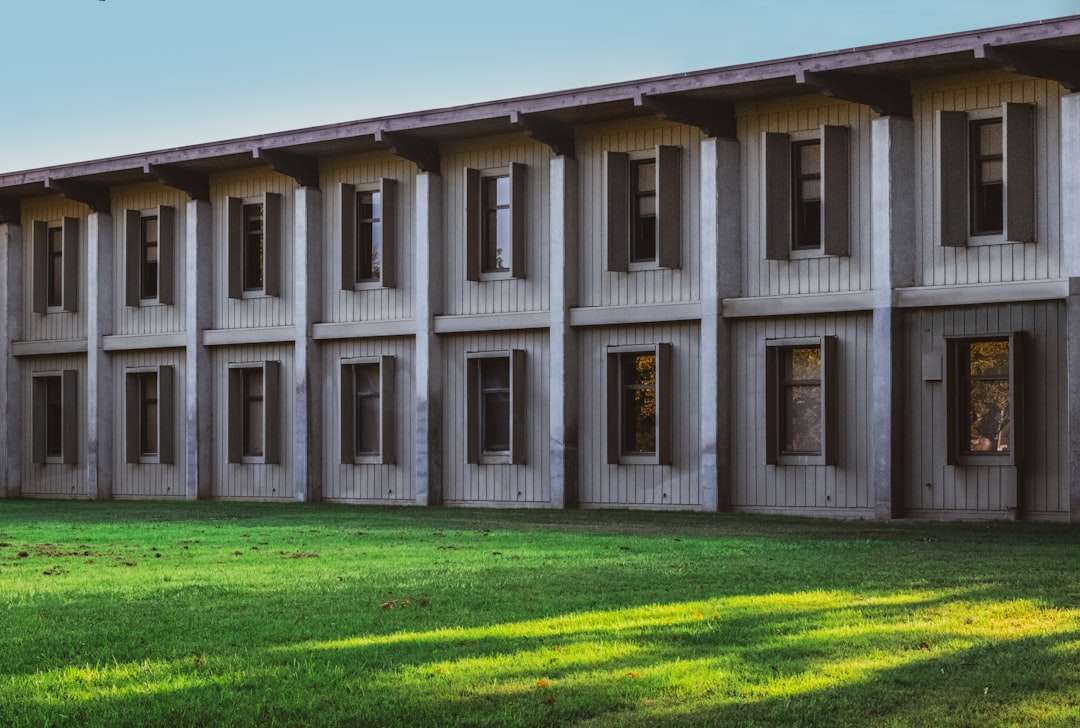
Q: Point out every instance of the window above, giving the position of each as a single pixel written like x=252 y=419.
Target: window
x=984 y=399
x=496 y=407
x=807 y=193
x=254 y=247
x=56 y=266
x=254 y=399
x=800 y=401
x=639 y=405
x=367 y=235
x=149 y=249
x=150 y=413
x=367 y=410
x=495 y=223
x=644 y=209
x=986 y=175
x=55 y=417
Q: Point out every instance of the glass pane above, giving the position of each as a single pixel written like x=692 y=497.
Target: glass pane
x=365 y=206
x=803 y=364
x=990 y=138
x=496 y=421
x=149 y=444
x=988 y=415
x=502 y=191
x=55 y=285
x=54 y=417
x=367 y=424
x=253 y=247
x=802 y=419
x=992 y=171
x=253 y=411
x=149 y=229
x=495 y=374
x=638 y=416
x=810 y=189
x=810 y=158
x=988 y=359
x=644 y=176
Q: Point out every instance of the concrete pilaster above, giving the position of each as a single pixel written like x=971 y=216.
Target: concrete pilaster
x=11 y=318
x=1070 y=243
x=892 y=241
x=100 y=385
x=563 y=376
x=427 y=397
x=307 y=395
x=199 y=404
x=721 y=256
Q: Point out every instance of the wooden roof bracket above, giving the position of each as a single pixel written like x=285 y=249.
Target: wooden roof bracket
x=301 y=167
x=422 y=153
x=96 y=197
x=1052 y=64
x=195 y=184
x=714 y=118
x=10 y=211
x=544 y=129
x=886 y=96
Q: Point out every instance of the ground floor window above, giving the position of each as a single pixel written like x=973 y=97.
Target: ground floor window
x=983 y=399
x=639 y=404
x=55 y=417
x=150 y=432
x=254 y=402
x=367 y=409
x=496 y=406
x=799 y=401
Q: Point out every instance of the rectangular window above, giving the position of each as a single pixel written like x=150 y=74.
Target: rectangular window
x=150 y=428
x=495 y=223
x=55 y=266
x=983 y=400
x=986 y=175
x=254 y=246
x=55 y=417
x=644 y=209
x=367 y=410
x=495 y=231
x=495 y=407
x=149 y=256
x=807 y=193
x=639 y=404
x=367 y=235
x=800 y=407
x=254 y=399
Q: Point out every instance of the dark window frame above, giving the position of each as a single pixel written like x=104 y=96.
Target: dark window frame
x=623 y=201
x=254 y=241
x=352 y=424
x=163 y=421
x=477 y=392
x=777 y=417
x=54 y=420
x=618 y=413
x=149 y=270
x=958 y=349
x=983 y=196
x=241 y=376
x=805 y=209
x=54 y=276
x=358 y=236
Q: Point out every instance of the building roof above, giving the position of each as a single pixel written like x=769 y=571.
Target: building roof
x=877 y=75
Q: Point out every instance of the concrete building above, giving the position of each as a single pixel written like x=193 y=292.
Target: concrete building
x=844 y=285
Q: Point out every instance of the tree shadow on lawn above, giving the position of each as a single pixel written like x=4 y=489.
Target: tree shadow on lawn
x=792 y=659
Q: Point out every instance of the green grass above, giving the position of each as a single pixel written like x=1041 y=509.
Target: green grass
x=229 y=614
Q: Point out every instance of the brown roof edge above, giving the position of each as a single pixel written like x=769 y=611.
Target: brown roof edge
x=848 y=59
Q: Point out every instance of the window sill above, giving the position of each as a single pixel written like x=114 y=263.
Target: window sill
x=644 y=459
x=254 y=294
x=369 y=460
x=800 y=460
x=149 y=460
x=494 y=459
x=975 y=241
x=497 y=276
x=368 y=286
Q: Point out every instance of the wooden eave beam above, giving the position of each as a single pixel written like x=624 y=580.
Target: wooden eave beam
x=422 y=153
x=195 y=184
x=302 y=168
x=10 y=211
x=1053 y=64
x=96 y=197
x=886 y=96
x=714 y=118
x=558 y=136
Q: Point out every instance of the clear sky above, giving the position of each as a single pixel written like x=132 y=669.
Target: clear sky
x=86 y=79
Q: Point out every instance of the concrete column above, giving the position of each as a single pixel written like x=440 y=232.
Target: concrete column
x=199 y=403
x=13 y=280
x=1070 y=243
x=563 y=376
x=101 y=409
x=721 y=277
x=427 y=397
x=892 y=241
x=307 y=396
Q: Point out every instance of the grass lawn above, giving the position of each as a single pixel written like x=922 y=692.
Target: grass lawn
x=223 y=614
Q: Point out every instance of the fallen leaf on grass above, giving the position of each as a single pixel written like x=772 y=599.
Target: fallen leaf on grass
x=924 y=646
x=633 y=673
x=542 y=684
x=388 y=605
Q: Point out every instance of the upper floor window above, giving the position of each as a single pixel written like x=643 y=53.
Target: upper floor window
x=986 y=175
x=639 y=404
x=367 y=235
x=495 y=223
x=254 y=246
x=807 y=193
x=800 y=401
x=983 y=406
x=149 y=250
x=644 y=209
x=55 y=264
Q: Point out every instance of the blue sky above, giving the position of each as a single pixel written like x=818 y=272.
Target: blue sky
x=85 y=79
